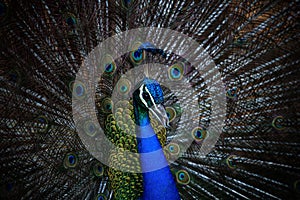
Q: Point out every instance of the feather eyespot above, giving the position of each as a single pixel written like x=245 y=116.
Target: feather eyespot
x=173 y=148
x=230 y=161
x=71 y=20
x=199 y=134
x=40 y=124
x=108 y=65
x=171 y=113
x=90 y=128
x=183 y=177
x=70 y=160
x=78 y=90
x=123 y=86
x=176 y=71
x=137 y=55
x=107 y=105
x=98 y=169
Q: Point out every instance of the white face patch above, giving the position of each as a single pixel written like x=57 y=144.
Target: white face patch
x=157 y=110
x=141 y=96
x=151 y=98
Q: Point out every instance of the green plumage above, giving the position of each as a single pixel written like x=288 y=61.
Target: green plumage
x=120 y=129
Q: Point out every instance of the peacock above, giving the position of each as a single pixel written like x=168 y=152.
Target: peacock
x=143 y=100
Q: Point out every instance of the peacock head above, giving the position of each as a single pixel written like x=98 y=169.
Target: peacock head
x=149 y=97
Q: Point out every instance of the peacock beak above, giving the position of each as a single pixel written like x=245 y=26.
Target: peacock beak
x=160 y=113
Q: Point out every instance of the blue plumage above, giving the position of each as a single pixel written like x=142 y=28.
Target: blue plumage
x=157 y=184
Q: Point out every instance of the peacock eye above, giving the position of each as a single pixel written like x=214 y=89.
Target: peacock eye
x=183 y=177
x=146 y=96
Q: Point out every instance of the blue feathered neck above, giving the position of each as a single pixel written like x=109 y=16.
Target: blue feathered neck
x=158 y=184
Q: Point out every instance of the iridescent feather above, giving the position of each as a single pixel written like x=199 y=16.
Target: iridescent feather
x=255 y=48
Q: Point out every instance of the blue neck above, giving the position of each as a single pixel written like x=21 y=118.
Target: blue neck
x=158 y=184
